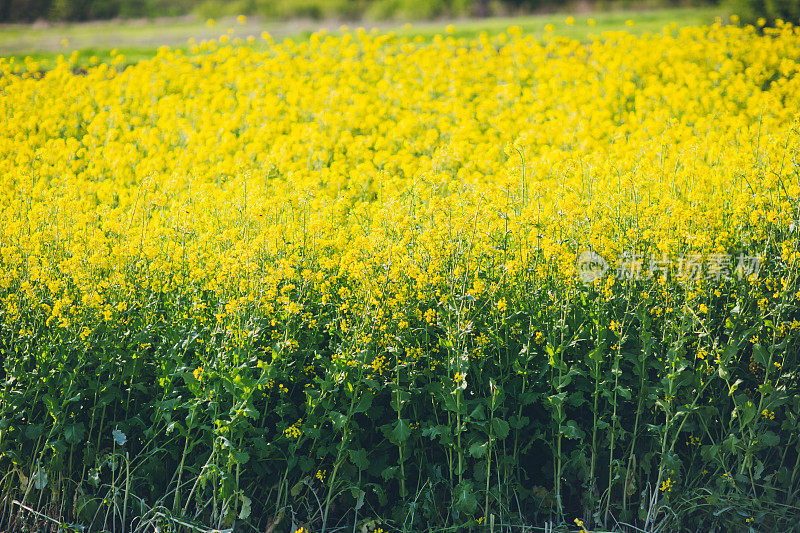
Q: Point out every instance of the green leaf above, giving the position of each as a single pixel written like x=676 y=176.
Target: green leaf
x=500 y=428
x=731 y=444
x=240 y=457
x=598 y=353
x=358 y=495
x=94 y=477
x=571 y=430
x=527 y=398
x=399 y=397
x=478 y=449
x=74 y=433
x=297 y=488
x=401 y=431
x=306 y=464
x=478 y=413
x=364 y=403
x=359 y=458
x=251 y=412
x=770 y=439
x=518 y=422
x=747 y=411
x=33 y=431
x=73 y=399
x=622 y=391
x=557 y=399
x=337 y=419
x=432 y=431
x=760 y=355
x=244 y=513
x=576 y=399
x=389 y=473
x=465 y=498
x=39 y=478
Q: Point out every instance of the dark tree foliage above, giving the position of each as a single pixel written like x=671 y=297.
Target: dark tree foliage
x=771 y=10
x=74 y=10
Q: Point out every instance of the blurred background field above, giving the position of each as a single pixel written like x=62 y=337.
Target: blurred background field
x=44 y=29
x=81 y=10
x=139 y=38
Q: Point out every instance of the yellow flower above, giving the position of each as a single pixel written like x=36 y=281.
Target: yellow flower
x=501 y=305
x=292 y=432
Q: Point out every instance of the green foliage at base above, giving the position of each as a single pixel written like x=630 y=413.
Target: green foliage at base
x=625 y=401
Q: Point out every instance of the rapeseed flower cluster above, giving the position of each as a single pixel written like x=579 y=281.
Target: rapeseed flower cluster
x=230 y=171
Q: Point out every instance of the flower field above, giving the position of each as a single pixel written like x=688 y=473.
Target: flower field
x=378 y=283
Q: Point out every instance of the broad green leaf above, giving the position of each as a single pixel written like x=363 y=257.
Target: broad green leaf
x=478 y=413
x=500 y=428
x=571 y=430
x=478 y=449
x=390 y=472
x=73 y=433
x=240 y=457
x=399 y=398
x=39 y=479
x=244 y=513
x=557 y=399
x=760 y=354
x=466 y=502
x=769 y=439
x=364 y=402
x=358 y=495
x=32 y=431
x=359 y=458
x=401 y=431
x=337 y=419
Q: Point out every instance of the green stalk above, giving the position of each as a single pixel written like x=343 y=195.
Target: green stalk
x=127 y=491
x=400 y=443
x=613 y=430
x=177 y=502
x=489 y=456
x=594 y=425
x=458 y=438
